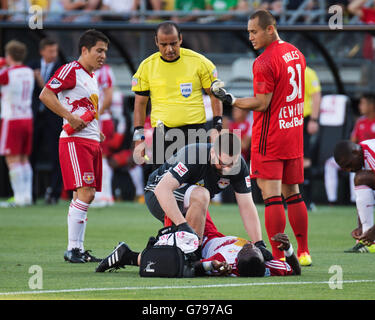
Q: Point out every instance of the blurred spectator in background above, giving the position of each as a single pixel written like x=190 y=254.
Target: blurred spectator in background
x=84 y=5
x=47 y=125
x=313 y=96
x=21 y=8
x=123 y=9
x=366 y=15
x=16 y=126
x=188 y=6
x=226 y=6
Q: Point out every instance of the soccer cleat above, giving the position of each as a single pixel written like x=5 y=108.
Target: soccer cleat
x=305 y=259
x=361 y=248
x=88 y=257
x=74 y=256
x=116 y=259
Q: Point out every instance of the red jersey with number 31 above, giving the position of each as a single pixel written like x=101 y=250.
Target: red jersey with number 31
x=278 y=132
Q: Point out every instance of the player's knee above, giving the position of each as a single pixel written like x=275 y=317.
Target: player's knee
x=200 y=196
x=87 y=195
x=365 y=178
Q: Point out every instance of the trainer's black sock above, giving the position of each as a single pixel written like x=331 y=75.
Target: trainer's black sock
x=131 y=258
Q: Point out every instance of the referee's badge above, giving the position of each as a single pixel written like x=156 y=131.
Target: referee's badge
x=186 y=89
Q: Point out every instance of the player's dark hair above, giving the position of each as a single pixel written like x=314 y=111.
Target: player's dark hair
x=17 y=50
x=343 y=150
x=250 y=266
x=370 y=97
x=265 y=18
x=167 y=27
x=90 y=38
x=228 y=143
x=46 y=42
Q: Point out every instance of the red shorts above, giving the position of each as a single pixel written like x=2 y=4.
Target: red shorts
x=108 y=129
x=81 y=163
x=289 y=171
x=16 y=137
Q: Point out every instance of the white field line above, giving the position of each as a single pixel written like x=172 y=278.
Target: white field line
x=227 y=285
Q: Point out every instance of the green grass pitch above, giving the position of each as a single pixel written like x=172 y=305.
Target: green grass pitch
x=37 y=236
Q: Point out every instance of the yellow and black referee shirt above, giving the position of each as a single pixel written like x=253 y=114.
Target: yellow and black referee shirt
x=175 y=88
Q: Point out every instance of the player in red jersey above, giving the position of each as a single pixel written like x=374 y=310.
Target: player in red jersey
x=277 y=139
x=360 y=158
x=71 y=93
x=221 y=256
x=16 y=126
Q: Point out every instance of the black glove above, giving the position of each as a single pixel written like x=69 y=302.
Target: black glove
x=262 y=247
x=219 y=92
x=185 y=227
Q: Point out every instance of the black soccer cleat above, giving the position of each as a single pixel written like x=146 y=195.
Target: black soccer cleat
x=116 y=260
x=74 y=256
x=88 y=257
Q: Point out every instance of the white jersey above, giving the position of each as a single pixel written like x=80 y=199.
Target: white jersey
x=77 y=90
x=368 y=147
x=17 y=85
x=105 y=78
x=228 y=247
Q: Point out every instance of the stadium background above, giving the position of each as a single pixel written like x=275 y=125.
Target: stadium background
x=338 y=56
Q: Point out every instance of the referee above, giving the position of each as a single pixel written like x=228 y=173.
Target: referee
x=172 y=79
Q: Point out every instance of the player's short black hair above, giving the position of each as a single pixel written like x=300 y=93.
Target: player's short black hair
x=370 y=97
x=228 y=143
x=343 y=150
x=167 y=27
x=250 y=264
x=90 y=38
x=265 y=18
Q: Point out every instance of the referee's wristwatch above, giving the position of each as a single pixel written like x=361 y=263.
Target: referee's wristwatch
x=139 y=133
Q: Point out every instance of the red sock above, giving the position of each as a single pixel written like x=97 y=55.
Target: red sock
x=275 y=221
x=298 y=219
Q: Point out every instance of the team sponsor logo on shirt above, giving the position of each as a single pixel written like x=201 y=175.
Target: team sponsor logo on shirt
x=186 y=89
x=180 y=168
x=223 y=183
x=248 y=181
x=54 y=84
x=88 y=177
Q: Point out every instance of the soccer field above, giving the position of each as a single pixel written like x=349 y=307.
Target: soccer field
x=37 y=236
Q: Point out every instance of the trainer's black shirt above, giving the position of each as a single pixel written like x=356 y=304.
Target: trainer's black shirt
x=192 y=165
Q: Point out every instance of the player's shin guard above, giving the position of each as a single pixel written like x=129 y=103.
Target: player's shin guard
x=298 y=219
x=275 y=222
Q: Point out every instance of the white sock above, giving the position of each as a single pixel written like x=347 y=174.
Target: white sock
x=331 y=179
x=17 y=183
x=365 y=206
x=28 y=182
x=351 y=185
x=136 y=175
x=77 y=220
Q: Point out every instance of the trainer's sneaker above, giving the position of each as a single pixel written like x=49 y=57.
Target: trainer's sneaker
x=361 y=248
x=74 y=256
x=305 y=259
x=115 y=260
x=88 y=257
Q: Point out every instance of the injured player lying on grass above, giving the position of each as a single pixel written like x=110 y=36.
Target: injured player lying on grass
x=221 y=256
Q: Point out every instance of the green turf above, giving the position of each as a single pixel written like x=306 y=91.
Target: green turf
x=38 y=236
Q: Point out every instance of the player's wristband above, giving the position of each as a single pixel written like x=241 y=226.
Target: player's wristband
x=288 y=253
x=314 y=120
x=139 y=134
x=218 y=123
